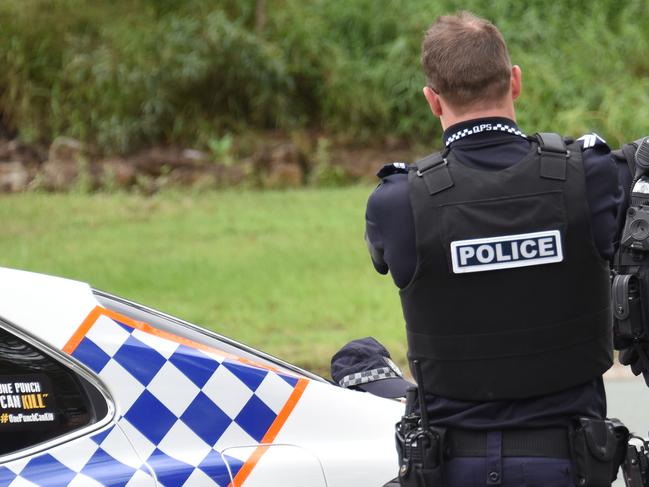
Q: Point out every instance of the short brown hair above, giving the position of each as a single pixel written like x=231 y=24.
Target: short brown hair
x=465 y=60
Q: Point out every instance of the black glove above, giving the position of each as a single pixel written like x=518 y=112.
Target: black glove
x=637 y=356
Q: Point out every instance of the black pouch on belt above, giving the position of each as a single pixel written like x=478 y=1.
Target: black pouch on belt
x=597 y=447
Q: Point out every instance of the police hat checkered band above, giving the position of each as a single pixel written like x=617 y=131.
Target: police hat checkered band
x=483 y=127
x=368 y=376
x=393 y=366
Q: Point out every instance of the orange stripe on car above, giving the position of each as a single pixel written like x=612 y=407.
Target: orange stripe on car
x=98 y=311
x=78 y=335
x=271 y=434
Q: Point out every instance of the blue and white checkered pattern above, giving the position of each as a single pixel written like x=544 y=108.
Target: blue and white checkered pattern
x=103 y=459
x=179 y=407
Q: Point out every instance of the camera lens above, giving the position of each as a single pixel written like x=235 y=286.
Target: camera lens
x=639 y=229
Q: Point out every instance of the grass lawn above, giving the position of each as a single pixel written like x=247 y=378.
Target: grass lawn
x=283 y=271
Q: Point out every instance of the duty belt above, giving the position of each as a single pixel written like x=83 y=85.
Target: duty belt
x=547 y=442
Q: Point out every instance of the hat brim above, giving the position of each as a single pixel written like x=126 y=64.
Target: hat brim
x=389 y=388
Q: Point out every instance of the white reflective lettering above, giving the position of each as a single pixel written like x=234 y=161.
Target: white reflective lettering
x=546 y=247
x=465 y=254
x=525 y=245
x=515 y=250
x=500 y=256
x=506 y=251
x=485 y=253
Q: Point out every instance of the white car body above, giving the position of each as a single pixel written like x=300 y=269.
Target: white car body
x=275 y=425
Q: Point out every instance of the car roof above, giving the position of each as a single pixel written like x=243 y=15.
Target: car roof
x=49 y=308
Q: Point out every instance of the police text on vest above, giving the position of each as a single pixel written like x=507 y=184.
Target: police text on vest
x=506 y=252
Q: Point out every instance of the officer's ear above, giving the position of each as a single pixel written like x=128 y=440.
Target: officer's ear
x=516 y=81
x=433 y=101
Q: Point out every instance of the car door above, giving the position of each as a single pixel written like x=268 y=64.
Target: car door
x=57 y=422
x=285 y=465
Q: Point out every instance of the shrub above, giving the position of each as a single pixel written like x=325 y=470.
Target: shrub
x=127 y=73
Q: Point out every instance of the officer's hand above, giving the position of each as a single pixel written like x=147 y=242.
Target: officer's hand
x=633 y=356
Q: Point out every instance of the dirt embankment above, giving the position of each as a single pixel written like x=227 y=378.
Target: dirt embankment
x=274 y=162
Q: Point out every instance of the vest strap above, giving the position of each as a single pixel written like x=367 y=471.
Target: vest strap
x=629 y=151
x=434 y=170
x=554 y=155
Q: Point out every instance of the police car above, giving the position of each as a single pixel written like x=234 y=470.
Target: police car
x=99 y=391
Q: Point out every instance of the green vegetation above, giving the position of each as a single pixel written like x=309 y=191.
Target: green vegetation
x=287 y=272
x=128 y=73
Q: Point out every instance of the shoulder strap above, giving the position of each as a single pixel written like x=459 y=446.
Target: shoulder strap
x=554 y=155
x=434 y=171
x=629 y=151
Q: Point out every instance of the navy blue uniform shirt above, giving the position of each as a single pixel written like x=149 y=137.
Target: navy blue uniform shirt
x=390 y=237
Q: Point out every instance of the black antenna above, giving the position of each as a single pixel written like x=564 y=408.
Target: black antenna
x=411 y=397
x=422 y=395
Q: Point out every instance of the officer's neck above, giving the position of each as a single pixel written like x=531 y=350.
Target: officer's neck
x=449 y=117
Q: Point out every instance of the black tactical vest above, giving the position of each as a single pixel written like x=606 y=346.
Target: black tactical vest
x=510 y=298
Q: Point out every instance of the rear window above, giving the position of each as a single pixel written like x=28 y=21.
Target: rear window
x=40 y=397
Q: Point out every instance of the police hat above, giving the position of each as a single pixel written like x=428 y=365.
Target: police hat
x=365 y=364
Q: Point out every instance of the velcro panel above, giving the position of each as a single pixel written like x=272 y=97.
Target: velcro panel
x=554 y=166
x=438 y=179
x=428 y=162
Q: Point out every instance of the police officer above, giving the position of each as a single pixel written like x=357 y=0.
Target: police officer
x=500 y=246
